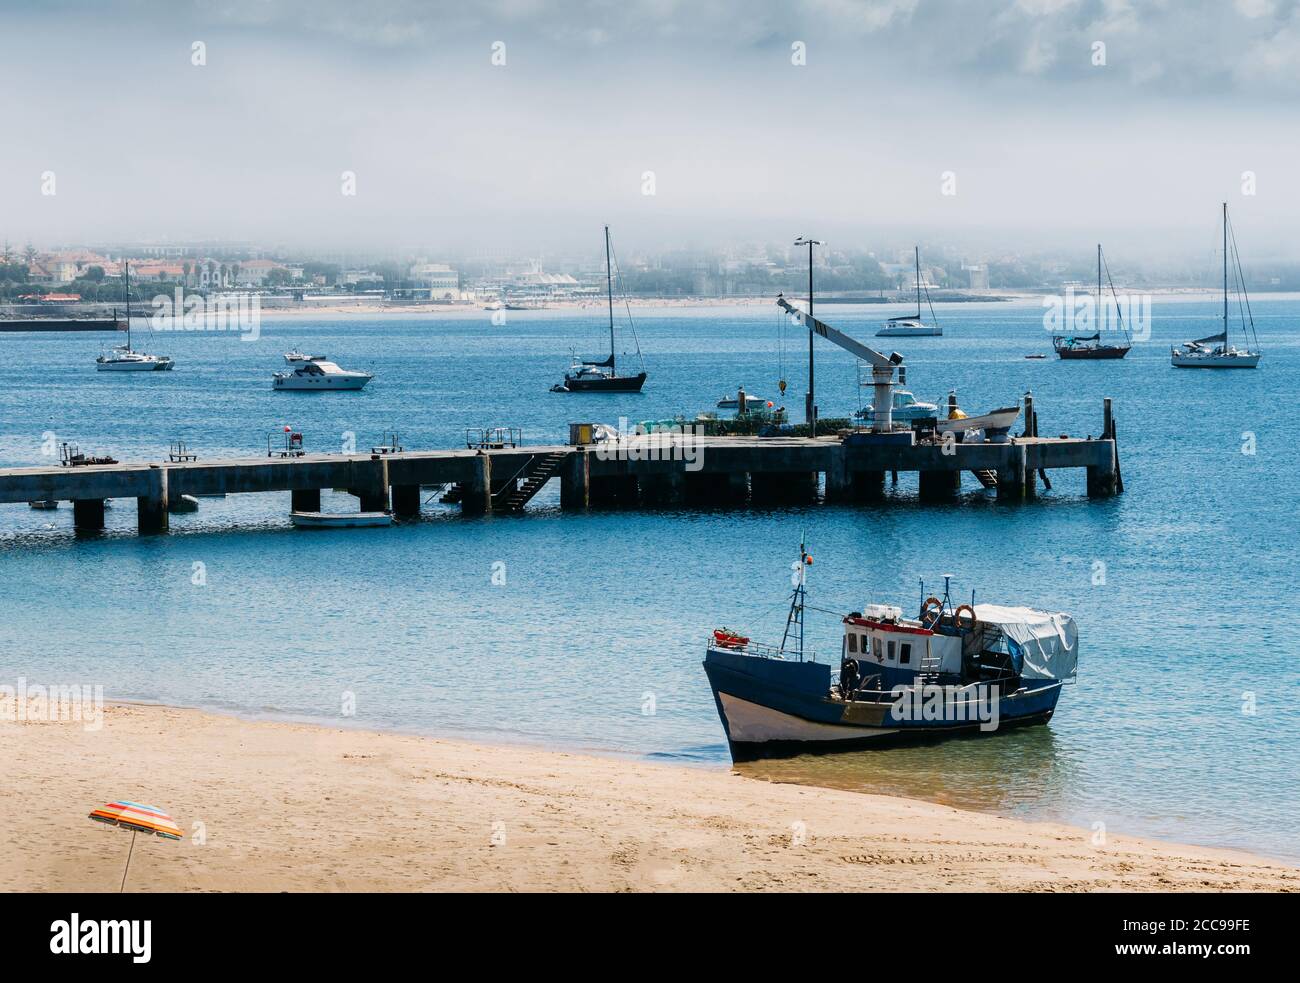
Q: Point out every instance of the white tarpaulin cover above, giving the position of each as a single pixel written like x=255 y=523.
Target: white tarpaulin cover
x=1050 y=641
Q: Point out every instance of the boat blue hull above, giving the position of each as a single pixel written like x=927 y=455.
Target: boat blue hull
x=775 y=708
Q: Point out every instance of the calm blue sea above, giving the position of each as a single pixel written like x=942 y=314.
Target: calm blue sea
x=1182 y=586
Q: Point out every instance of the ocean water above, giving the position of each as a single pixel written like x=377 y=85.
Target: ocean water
x=1183 y=724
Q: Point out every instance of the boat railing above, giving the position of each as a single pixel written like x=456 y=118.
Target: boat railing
x=761 y=650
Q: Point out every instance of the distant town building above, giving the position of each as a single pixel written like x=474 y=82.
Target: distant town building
x=440 y=280
x=978 y=275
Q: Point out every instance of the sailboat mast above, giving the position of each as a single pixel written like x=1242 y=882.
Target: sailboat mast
x=609 y=293
x=1225 y=274
x=917 y=250
x=1099 y=287
x=127 y=267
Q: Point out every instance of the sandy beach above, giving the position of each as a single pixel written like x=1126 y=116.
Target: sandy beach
x=271 y=806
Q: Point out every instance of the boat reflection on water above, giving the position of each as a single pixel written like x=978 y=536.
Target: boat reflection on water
x=1019 y=770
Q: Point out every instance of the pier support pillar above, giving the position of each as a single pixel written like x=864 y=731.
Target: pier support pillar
x=151 y=509
x=575 y=482
x=1101 y=480
x=714 y=488
x=372 y=500
x=1012 y=475
x=305 y=500
x=620 y=490
x=478 y=489
x=940 y=486
x=868 y=486
x=664 y=489
x=88 y=514
x=839 y=482
x=406 y=500
x=783 y=487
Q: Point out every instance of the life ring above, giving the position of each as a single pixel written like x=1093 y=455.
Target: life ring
x=931 y=602
x=956 y=615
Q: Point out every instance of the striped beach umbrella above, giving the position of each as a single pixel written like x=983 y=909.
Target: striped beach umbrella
x=138 y=819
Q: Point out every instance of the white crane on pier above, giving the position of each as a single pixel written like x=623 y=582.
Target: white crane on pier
x=882 y=366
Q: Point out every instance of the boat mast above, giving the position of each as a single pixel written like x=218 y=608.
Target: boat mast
x=609 y=293
x=917 y=250
x=1099 y=289
x=1225 y=274
x=127 y=267
x=795 y=616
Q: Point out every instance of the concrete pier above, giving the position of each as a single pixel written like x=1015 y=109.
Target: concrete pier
x=939 y=486
x=88 y=514
x=152 y=513
x=575 y=483
x=722 y=471
x=406 y=500
x=1012 y=475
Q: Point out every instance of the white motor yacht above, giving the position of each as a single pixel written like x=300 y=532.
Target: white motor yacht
x=320 y=374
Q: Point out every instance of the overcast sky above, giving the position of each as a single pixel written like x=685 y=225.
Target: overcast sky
x=454 y=151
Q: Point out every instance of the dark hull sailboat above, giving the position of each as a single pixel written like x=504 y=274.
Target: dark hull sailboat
x=589 y=376
x=600 y=383
x=1090 y=346
x=1082 y=348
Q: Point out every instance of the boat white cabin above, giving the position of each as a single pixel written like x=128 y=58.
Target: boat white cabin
x=320 y=375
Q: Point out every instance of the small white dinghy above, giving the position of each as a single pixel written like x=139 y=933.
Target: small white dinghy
x=340 y=520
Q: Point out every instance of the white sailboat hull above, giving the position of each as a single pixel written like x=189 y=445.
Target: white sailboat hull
x=134 y=365
x=1231 y=360
x=910 y=331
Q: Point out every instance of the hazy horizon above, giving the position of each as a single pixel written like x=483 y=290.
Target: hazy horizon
x=451 y=152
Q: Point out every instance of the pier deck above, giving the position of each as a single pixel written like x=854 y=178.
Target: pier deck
x=650 y=471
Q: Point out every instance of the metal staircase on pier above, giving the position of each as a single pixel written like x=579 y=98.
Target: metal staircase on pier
x=453 y=494
x=987 y=478
x=539 y=470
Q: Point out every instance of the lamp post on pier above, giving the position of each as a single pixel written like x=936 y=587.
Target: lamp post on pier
x=810 y=403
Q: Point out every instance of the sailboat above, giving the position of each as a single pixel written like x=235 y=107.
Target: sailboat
x=125 y=359
x=907 y=325
x=1090 y=347
x=586 y=376
x=1216 y=351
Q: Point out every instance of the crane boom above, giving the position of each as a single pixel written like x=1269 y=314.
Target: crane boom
x=882 y=366
x=836 y=337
